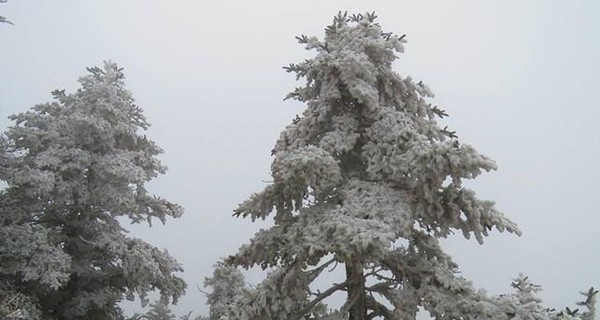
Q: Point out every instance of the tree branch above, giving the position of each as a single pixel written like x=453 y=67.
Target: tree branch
x=317 y=271
x=382 y=286
x=320 y=298
x=378 y=309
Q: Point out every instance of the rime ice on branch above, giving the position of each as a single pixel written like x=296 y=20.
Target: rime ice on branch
x=366 y=178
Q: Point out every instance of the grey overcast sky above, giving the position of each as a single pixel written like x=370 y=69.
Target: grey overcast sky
x=520 y=80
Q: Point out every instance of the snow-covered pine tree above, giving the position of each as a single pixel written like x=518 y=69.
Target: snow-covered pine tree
x=75 y=166
x=366 y=178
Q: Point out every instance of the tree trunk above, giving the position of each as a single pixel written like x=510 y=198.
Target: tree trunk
x=356 y=291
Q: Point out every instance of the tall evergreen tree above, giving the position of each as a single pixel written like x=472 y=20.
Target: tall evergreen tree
x=76 y=166
x=367 y=179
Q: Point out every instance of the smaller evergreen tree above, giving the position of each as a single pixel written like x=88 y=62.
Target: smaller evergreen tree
x=74 y=167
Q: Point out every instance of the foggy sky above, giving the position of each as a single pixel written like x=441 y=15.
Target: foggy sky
x=520 y=80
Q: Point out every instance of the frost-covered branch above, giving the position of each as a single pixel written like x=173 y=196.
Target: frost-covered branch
x=320 y=297
x=378 y=309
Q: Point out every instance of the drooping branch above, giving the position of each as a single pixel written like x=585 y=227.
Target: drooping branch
x=382 y=286
x=320 y=297
x=376 y=274
x=314 y=273
x=385 y=289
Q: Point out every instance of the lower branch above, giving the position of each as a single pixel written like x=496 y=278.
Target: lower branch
x=378 y=309
x=319 y=298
